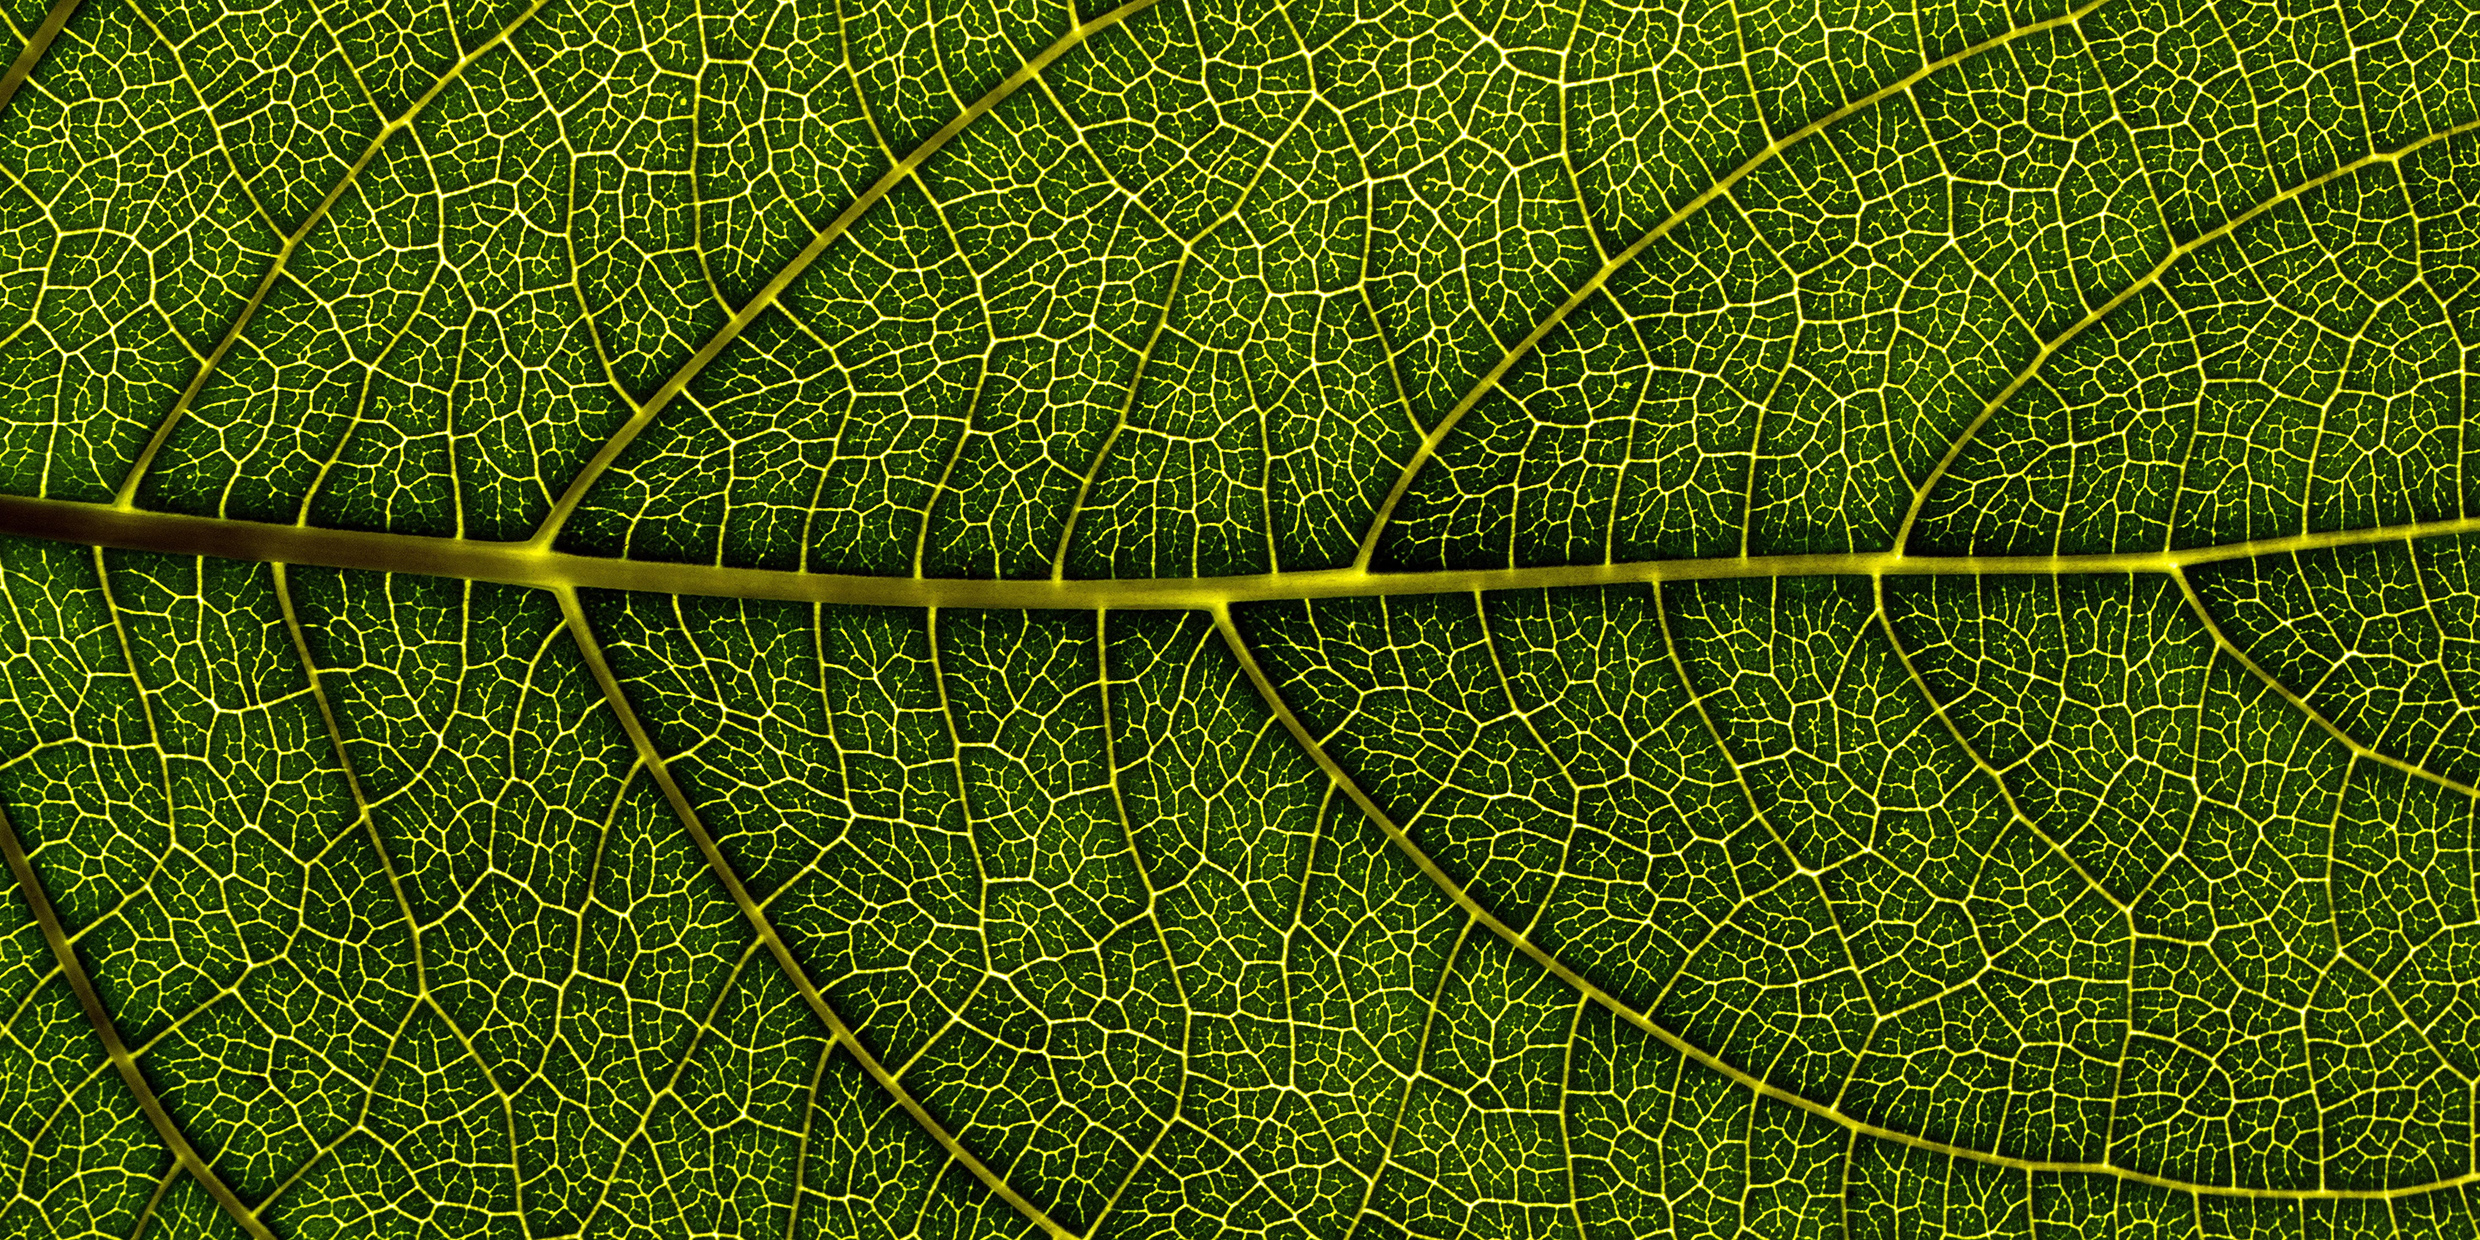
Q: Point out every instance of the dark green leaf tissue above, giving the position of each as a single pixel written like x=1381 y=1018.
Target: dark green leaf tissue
x=1391 y=619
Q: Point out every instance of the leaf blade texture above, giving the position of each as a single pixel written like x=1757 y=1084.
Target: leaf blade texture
x=1420 y=619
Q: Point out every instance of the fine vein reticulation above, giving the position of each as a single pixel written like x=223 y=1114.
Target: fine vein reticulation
x=1421 y=619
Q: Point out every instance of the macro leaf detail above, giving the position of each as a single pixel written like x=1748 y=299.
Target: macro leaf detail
x=1419 y=618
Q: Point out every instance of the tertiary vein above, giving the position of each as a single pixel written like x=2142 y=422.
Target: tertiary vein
x=1481 y=913
x=590 y=649
x=646 y=411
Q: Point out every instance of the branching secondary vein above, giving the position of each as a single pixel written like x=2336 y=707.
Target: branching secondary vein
x=73 y=970
x=591 y=649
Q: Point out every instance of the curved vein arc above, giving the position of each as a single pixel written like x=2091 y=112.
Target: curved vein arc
x=1153 y=914
x=1884 y=621
x=146 y=1215
x=2049 y=349
x=1463 y=898
x=126 y=498
x=1413 y=1075
x=590 y=649
x=646 y=411
x=2223 y=642
x=1593 y=284
x=73 y=970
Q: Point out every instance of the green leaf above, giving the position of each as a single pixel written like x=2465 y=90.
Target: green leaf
x=1399 y=620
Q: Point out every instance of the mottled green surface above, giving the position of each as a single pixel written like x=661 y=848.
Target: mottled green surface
x=1799 y=902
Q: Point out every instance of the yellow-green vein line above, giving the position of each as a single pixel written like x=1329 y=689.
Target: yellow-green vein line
x=1463 y=898
x=590 y=649
x=126 y=498
x=1883 y=619
x=2299 y=702
x=155 y=1200
x=1153 y=915
x=765 y=297
x=369 y=825
x=1412 y=1075
x=800 y=1148
x=1592 y=284
x=55 y=936
x=520 y=564
x=2049 y=349
x=55 y=20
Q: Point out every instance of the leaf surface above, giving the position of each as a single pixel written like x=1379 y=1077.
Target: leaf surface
x=1408 y=619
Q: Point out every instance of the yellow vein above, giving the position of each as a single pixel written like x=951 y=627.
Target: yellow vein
x=706 y=1026
x=1447 y=885
x=1884 y=620
x=146 y=710
x=1412 y=1076
x=2032 y=368
x=126 y=498
x=590 y=649
x=523 y=564
x=163 y=1185
x=1739 y=776
x=1153 y=914
x=2299 y=701
x=300 y=639
x=369 y=825
x=39 y=902
x=964 y=811
x=1611 y=266
x=54 y=21
x=1153 y=340
x=800 y=1149
x=766 y=297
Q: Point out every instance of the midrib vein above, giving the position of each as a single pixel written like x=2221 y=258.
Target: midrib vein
x=521 y=564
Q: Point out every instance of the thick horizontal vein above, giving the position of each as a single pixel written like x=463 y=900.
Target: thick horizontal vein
x=1594 y=283
x=524 y=565
x=1481 y=913
x=31 y=55
x=837 y=227
x=64 y=954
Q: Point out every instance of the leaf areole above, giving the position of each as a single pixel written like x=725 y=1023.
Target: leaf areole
x=1175 y=618
x=54 y=20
